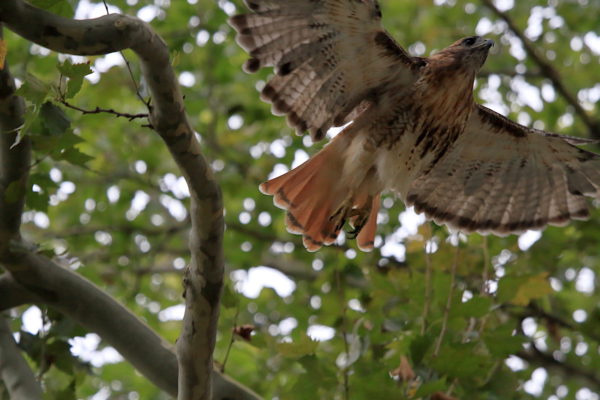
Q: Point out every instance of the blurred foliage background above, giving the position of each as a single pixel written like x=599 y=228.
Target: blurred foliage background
x=474 y=317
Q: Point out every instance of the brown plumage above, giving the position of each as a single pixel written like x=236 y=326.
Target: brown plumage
x=415 y=129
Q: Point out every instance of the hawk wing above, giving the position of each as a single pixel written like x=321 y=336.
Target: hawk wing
x=502 y=177
x=331 y=57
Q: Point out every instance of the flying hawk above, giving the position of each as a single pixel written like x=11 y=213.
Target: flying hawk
x=415 y=129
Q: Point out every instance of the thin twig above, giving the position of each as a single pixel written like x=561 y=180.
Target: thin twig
x=43 y=360
x=485 y=290
x=341 y=294
x=548 y=71
x=99 y=110
x=232 y=340
x=448 y=302
x=135 y=85
x=486 y=267
x=347 y=350
x=428 y=293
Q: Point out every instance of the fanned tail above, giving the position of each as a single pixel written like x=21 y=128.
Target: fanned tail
x=319 y=201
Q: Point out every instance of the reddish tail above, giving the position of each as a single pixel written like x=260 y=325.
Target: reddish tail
x=319 y=201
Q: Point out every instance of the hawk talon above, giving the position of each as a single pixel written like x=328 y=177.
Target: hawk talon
x=357 y=216
x=362 y=215
x=353 y=233
x=342 y=214
x=340 y=225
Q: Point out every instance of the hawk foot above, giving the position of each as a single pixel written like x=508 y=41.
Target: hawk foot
x=341 y=215
x=358 y=216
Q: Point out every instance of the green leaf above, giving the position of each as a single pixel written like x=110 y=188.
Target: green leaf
x=501 y=342
x=43 y=181
x=476 y=307
x=504 y=384
x=317 y=368
x=49 y=144
x=37 y=201
x=67 y=393
x=54 y=119
x=452 y=361
x=431 y=387
x=537 y=286
x=33 y=90
x=317 y=374
x=69 y=139
x=59 y=385
x=73 y=87
x=419 y=347
x=61 y=355
x=520 y=290
x=75 y=73
x=32 y=344
x=302 y=347
x=78 y=70
x=74 y=156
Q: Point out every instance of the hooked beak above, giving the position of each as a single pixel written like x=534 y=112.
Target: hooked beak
x=488 y=43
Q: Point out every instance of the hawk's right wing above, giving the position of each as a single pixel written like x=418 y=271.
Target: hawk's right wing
x=331 y=57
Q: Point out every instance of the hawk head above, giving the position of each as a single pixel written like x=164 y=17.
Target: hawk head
x=468 y=53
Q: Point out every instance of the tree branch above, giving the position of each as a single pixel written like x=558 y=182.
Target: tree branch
x=536 y=311
x=14 y=370
x=534 y=355
x=14 y=159
x=40 y=280
x=204 y=277
x=548 y=71
x=13 y=294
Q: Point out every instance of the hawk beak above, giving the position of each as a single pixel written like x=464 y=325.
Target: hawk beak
x=488 y=43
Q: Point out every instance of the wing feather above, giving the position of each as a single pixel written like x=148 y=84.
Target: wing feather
x=501 y=177
x=329 y=57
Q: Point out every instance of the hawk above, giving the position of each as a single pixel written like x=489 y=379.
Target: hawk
x=412 y=126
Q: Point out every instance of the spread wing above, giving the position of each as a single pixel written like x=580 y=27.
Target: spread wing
x=502 y=177
x=331 y=57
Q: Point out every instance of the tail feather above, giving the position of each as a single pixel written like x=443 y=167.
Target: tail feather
x=318 y=200
x=288 y=186
x=319 y=229
x=366 y=238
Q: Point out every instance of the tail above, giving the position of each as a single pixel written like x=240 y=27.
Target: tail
x=319 y=201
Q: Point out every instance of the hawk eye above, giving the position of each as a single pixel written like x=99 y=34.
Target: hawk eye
x=470 y=41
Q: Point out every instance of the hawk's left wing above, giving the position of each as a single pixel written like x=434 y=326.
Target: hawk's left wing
x=502 y=177
x=331 y=57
